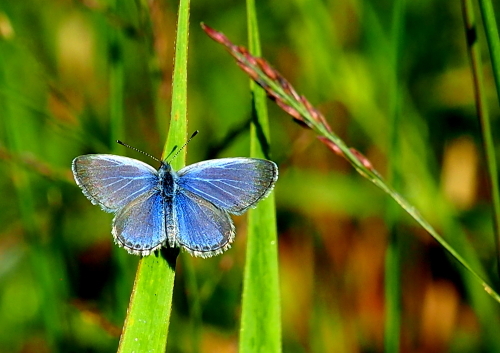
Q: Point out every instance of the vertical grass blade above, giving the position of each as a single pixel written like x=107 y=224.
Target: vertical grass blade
x=193 y=297
x=260 y=329
x=178 y=117
x=491 y=30
x=148 y=317
x=485 y=309
x=392 y=270
x=480 y=97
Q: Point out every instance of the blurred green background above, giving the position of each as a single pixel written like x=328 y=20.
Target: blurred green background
x=68 y=68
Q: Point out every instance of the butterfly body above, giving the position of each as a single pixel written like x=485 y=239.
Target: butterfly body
x=167 y=180
x=189 y=208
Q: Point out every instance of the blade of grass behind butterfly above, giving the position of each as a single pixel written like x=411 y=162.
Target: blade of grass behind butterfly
x=486 y=310
x=392 y=270
x=260 y=329
x=493 y=39
x=491 y=29
x=148 y=317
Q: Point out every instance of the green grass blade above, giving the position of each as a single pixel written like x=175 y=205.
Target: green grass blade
x=392 y=289
x=178 y=116
x=485 y=309
x=148 y=317
x=480 y=96
x=491 y=29
x=392 y=270
x=260 y=329
x=193 y=296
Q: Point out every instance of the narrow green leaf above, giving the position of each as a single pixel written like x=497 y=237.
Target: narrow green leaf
x=493 y=38
x=393 y=253
x=148 y=317
x=260 y=321
x=178 y=116
x=485 y=309
x=481 y=101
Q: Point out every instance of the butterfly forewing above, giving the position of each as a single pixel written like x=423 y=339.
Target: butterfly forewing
x=203 y=229
x=113 y=181
x=233 y=184
x=140 y=226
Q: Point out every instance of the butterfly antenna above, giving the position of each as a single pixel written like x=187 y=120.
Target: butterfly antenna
x=138 y=150
x=184 y=145
x=171 y=152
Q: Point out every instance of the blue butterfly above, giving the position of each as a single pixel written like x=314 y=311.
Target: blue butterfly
x=189 y=208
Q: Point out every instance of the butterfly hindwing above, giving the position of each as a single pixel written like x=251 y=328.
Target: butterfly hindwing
x=233 y=184
x=113 y=181
x=140 y=226
x=203 y=229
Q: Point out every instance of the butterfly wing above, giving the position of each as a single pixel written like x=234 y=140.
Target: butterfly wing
x=203 y=229
x=233 y=184
x=112 y=181
x=139 y=226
